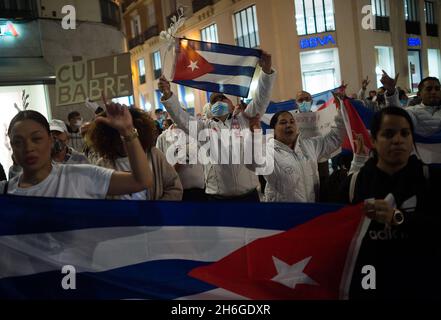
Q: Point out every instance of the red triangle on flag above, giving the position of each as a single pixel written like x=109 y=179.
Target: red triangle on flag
x=307 y=262
x=190 y=64
x=357 y=127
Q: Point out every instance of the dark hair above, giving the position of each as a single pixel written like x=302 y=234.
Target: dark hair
x=275 y=118
x=73 y=114
x=107 y=141
x=215 y=97
x=377 y=120
x=158 y=111
x=421 y=85
x=99 y=110
x=29 y=115
x=168 y=121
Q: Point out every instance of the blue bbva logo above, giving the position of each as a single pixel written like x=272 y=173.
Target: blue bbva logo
x=316 y=41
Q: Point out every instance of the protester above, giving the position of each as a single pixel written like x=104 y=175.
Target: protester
x=61 y=152
x=426 y=116
x=225 y=181
x=75 y=139
x=105 y=140
x=400 y=193
x=295 y=177
x=174 y=143
x=375 y=100
x=31 y=143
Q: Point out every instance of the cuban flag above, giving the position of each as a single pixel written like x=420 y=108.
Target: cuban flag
x=214 y=67
x=76 y=249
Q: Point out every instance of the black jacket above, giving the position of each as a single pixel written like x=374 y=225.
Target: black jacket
x=2 y=173
x=406 y=257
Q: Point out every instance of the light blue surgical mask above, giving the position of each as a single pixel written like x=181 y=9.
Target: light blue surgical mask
x=219 y=109
x=305 y=106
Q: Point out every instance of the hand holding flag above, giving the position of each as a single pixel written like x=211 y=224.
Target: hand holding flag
x=164 y=88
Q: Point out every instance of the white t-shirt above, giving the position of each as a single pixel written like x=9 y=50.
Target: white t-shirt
x=67 y=181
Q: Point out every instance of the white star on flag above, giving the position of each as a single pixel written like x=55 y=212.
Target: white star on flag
x=193 y=65
x=292 y=275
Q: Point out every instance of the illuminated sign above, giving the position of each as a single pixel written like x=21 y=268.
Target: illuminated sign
x=314 y=42
x=414 y=42
x=8 y=30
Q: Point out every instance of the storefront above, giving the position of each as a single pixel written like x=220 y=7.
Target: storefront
x=434 y=59
x=21 y=69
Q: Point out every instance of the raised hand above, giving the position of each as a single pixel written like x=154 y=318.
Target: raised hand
x=164 y=88
x=365 y=83
x=266 y=62
x=389 y=83
x=117 y=116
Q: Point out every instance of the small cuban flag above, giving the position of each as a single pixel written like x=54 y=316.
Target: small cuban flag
x=215 y=67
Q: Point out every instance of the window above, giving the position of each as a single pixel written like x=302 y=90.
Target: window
x=151 y=15
x=384 y=60
x=314 y=16
x=247 y=31
x=429 y=10
x=380 y=8
x=411 y=10
x=186 y=97
x=25 y=9
x=209 y=34
x=110 y=13
x=136 y=26
x=434 y=63
x=320 y=70
x=141 y=71
x=157 y=67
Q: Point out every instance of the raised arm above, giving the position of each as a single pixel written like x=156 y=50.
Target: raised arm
x=171 y=103
x=141 y=177
x=262 y=96
x=392 y=98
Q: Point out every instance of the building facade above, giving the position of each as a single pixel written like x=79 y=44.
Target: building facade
x=315 y=44
x=33 y=43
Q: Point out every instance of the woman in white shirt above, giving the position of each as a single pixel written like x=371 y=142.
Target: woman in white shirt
x=31 y=143
x=295 y=177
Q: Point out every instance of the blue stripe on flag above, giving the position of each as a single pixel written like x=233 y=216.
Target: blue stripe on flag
x=289 y=105
x=233 y=70
x=231 y=89
x=224 y=48
x=56 y=215
x=164 y=279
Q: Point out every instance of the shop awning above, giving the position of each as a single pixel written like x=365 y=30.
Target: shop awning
x=19 y=71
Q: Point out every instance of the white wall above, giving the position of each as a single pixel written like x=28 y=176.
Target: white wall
x=9 y=96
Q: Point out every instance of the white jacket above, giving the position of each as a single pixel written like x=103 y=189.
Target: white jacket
x=228 y=179
x=295 y=177
x=426 y=120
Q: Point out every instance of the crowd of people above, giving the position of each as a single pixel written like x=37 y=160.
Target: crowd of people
x=123 y=154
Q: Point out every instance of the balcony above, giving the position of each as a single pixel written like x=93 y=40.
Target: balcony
x=140 y=39
x=110 y=13
x=382 y=23
x=413 y=27
x=200 y=4
x=151 y=32
x=432 y=30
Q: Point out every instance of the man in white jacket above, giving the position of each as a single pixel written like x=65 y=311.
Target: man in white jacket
x=426 y=116
x=226 y=181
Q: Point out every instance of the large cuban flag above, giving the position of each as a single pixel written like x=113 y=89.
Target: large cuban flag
x=215 y=67
x=148 y=250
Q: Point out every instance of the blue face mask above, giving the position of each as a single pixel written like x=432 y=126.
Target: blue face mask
x=305 y=106
x=219 y=109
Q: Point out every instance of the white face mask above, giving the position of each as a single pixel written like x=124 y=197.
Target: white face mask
x=79 y=123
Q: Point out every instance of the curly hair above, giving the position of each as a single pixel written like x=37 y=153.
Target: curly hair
x=106 y=141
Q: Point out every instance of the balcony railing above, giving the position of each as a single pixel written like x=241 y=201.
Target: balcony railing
x=432 y=29
x=200 y=4
x=140 y=39
x=382 y=23
x=413 y=27
x=26 y=9
x=110 y=13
